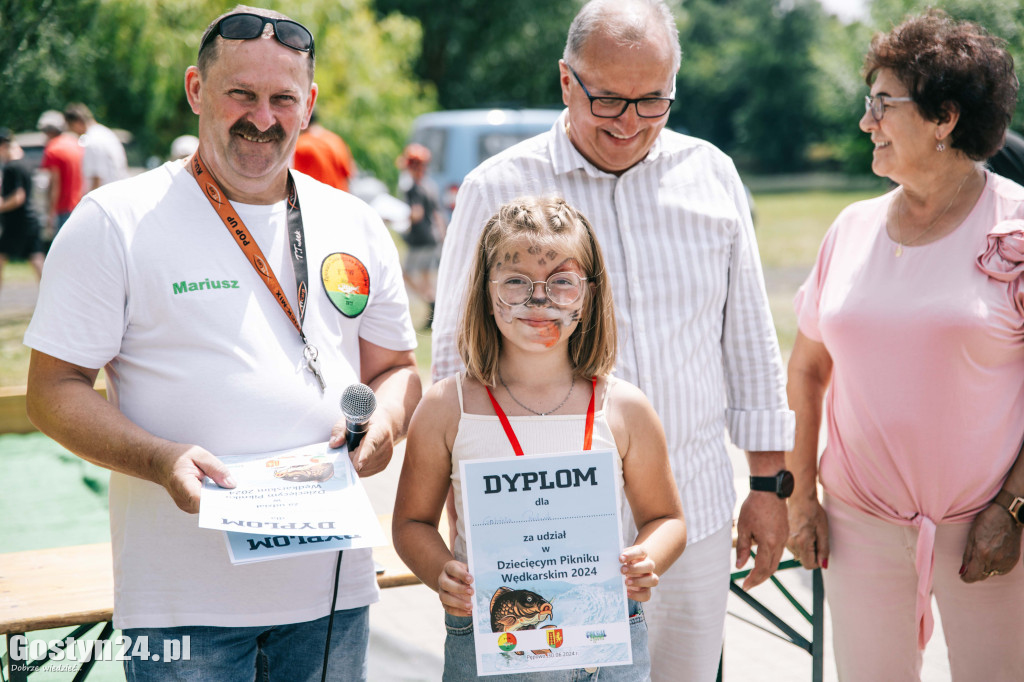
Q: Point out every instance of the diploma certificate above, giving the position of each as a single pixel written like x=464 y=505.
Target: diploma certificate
x=298 y=501
x=543 y=542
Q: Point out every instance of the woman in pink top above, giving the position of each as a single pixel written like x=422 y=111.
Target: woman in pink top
x=912 y=330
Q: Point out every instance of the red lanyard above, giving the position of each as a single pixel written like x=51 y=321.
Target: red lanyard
x=588 y=434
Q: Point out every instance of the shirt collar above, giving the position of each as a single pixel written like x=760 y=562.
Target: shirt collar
x=566 y=158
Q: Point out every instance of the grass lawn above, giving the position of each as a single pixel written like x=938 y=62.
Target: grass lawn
x=790 y=227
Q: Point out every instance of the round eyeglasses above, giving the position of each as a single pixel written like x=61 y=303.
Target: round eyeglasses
x=561 y=288
x=877 y=105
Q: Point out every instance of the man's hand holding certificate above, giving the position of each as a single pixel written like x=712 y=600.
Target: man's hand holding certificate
x=295 y=501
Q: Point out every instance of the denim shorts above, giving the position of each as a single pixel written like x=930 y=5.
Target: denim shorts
x=460 y=656
x=290 y=653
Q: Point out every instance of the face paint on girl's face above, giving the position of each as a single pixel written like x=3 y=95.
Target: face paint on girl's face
x=544 y=321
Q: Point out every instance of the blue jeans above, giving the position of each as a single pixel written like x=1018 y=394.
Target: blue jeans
x=291 y=653
x=460 y=656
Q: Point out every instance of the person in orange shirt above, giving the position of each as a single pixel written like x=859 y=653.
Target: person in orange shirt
x=324 y=155
x=62 y=159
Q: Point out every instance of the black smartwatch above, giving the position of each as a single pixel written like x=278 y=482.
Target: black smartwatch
x=781 y=484
x=1013 y=504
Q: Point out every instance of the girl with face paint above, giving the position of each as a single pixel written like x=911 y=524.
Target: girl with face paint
x=538 y=339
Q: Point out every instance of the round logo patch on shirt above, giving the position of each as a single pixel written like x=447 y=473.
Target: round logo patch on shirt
x=346 y=282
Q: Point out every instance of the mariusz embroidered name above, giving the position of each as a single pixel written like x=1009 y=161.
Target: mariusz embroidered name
x=204 y=284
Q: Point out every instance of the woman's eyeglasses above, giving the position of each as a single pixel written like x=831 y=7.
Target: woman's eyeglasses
x=245 y=26
x=876 y=105
x=561 y=288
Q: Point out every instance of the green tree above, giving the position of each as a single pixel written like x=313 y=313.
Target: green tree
x=747 y=78
x=126 y=59
x=479 y=52
x=41 y=53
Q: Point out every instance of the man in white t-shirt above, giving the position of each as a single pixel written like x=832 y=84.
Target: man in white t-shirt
x=154 y=279
x=104 y=159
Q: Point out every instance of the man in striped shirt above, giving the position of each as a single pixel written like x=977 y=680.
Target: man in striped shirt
x=695 y=331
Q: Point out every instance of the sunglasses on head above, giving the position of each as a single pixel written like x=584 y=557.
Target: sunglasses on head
x=245 y=26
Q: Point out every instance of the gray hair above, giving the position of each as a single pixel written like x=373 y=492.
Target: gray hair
x=626 y=21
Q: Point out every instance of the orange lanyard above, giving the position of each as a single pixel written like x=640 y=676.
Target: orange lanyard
x=208 y=184
x=588 y=434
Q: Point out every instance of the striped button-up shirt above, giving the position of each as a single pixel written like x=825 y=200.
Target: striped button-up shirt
x=695 y=331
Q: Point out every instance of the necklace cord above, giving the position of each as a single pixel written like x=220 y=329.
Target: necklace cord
x=572 y=385
x=903 y=196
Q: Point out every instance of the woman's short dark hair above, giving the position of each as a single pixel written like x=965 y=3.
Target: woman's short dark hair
x=948 y=63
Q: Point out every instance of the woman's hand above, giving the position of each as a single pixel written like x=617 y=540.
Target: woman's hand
x=993 y=545
x=639 y=571
x=808 y=532
x=454 y=587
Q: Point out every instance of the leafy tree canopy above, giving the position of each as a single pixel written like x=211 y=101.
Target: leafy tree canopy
x=126 y=59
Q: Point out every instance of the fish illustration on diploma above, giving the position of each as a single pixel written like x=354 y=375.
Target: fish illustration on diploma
x=520 y=610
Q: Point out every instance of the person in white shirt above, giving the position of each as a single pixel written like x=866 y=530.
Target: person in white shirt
x=180 y=283
x=696 y=333
x=105 y=159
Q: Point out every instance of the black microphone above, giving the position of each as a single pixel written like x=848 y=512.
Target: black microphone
x=357 y=405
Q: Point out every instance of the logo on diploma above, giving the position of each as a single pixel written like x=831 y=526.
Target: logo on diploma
x=506 y=641
x=555 y=638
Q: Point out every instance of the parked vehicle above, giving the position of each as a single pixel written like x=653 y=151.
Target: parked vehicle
x=459 y=140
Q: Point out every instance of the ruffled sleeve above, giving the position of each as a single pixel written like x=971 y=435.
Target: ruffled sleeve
x=1003 y=258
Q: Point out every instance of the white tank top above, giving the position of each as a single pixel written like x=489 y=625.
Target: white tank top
x=481 y=436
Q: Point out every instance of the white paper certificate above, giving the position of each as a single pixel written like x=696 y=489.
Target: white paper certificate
x=543 y=539
x=290 y=502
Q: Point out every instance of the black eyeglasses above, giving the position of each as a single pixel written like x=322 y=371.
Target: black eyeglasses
x=246 y=26
x=613 y=107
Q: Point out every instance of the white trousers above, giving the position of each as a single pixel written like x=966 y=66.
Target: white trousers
x=871 y=586
x=686 y=612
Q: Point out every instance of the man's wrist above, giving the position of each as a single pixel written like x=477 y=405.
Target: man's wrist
x=781 y=484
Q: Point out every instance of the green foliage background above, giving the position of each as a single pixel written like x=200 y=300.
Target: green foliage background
x=126 y=59
x=775 y=83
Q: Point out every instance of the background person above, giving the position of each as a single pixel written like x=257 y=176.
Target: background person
x=532 y=342
x=200 y=372
x=426 y=226
x=103 y=159
x=62 y=161
x=324 y=155
x=696 y=333
x=912 y=320
x=183 y=146
x=19 y=225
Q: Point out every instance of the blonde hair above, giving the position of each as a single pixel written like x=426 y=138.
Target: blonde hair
x=547 y=222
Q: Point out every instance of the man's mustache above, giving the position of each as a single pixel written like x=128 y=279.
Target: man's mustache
x=274 y=133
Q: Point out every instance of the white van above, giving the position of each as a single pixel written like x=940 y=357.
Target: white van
x=459 y=140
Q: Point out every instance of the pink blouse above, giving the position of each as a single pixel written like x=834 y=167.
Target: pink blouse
x=925 y=412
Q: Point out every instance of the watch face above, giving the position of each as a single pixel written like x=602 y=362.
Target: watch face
x=785 y=484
